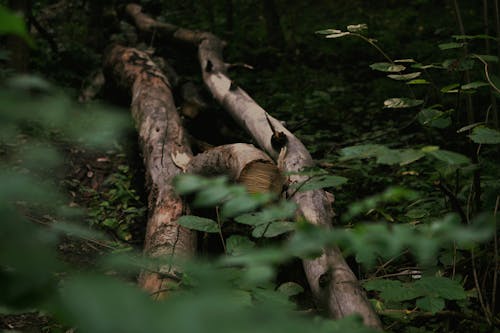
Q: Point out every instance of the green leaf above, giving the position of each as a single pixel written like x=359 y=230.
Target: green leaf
x=357 y=27
x=441 y=287
x=212 y=196
x=198 y=223
x=468 y=37
x=361 y=151
x=434 y=118
x=449 y=157
x=399 y=103
x=486 y=57
x=452 y=45
x=319 y=182
x=391 y=290
x=338 y=34
x=418 y=81
x=290 y=289
x=405 y=61
x=187 y=184
x=387 y=67
x=404 y=77
x=10 y=23
x=458 y=64
x=407 y=156
x=328 y=31
x=383 y=154
x=474 y=85
x=485 y=135
x=272 y=229
x=236 y=245
x=244 y=203
x=450 y=88
x=283 y=210
x=416 y=213
x=431 y=304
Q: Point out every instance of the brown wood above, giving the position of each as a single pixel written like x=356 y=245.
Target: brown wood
x=161 y=137
x=331 y=280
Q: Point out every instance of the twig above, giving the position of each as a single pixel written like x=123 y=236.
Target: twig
x=486 y=72
x=219 y=223
x=453 y=200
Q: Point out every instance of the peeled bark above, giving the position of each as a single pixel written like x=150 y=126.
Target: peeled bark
x=161 y=138
x=331 y=280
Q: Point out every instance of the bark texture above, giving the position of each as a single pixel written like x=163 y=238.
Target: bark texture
x=243 y=163
x=161 y=137
x=330 y=278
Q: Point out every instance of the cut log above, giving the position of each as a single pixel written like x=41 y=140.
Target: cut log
x=331 y=280
x=161 y=136
x=242 y=163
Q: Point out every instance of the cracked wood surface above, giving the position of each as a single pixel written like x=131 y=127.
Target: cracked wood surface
x=160 y=135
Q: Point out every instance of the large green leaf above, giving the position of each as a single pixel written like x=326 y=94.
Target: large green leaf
x=439 y=286
x=391 y=290
x=383 y=154
x=485 y=135
x=272 y=229
x=280 y=211
x=434 y=118
x=474 y=85
x=244 y=203
x=187 y=184
x=404 y=77
x=198 y=223
x=212 y=196
x=401 y=103
x=431 y=304
x=452 y=45
x=387 y=67
x=449 y=157
x=319 y=182
x=236 y=244
x=357 y=27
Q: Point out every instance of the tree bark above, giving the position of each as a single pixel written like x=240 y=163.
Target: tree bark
x=161 y=137
x=330 y=278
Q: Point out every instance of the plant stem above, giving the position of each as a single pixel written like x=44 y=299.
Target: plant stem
x=470 y=116
x=219 y=223
x=372 y=43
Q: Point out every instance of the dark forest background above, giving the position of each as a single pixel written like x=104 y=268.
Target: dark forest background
x=397 y=102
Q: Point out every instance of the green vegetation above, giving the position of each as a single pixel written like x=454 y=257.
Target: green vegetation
x=397 y=106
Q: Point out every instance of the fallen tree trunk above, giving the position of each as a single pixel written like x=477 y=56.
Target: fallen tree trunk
x=331 y=280
x=161 y=136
